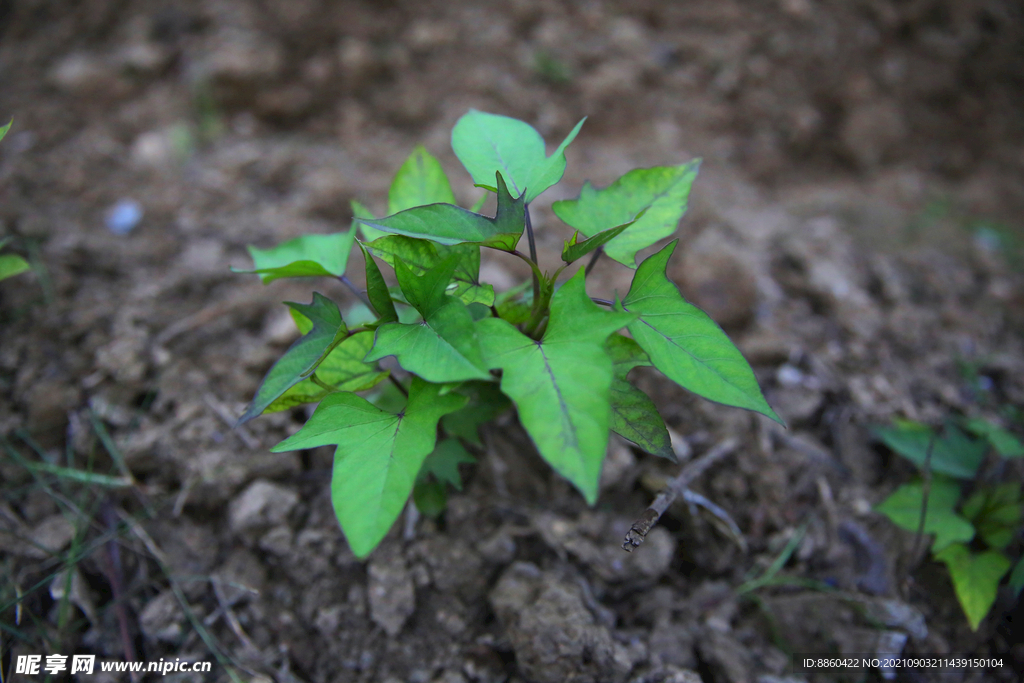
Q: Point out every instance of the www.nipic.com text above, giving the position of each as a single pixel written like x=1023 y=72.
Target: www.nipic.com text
x=31 y=665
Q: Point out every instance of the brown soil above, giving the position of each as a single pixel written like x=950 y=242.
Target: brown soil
x=855 y=228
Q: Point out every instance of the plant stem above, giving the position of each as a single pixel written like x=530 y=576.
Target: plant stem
x=603 y=302
x=533 y=267
x=925 y=491
x=320 y=383
x=355 y=290
x=405 y=392
x=533 y=251
x=593 y=260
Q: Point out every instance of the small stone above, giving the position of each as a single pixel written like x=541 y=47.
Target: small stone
x=80 y=74
x=202 y=257
x=153 y=149
x=49 y=537
x=425 y=35
x=263 y=504
x=391 y=592
x=796 y=404
x=871 y=131
x=672 y=674
x=671 y=643
x=499 y=548
x=328 y=619
x=49 y=401
x=145 y=59
x=241 y=576
x=76 y=590
x=286 y=103
x=724 y=655
x=162 y=618
x=612 y=79
x=239 y=64
x=629 y=35
x=358 y=62
x=449 y=676
x=789 y=376
x=124 y=358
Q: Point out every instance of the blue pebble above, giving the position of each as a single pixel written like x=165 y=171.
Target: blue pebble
x=124 y=216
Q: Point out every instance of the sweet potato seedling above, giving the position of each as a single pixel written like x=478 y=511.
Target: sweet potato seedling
x=467 y=354
x=972 y=535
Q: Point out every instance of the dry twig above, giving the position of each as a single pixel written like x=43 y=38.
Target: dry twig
x=642 y=526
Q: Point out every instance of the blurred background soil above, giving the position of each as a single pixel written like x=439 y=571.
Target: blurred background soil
x=855 y=228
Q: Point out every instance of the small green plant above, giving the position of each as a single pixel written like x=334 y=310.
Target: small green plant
x=972 y=534
x=10 y=264
x=467 y=354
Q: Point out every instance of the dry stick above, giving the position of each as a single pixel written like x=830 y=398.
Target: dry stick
x=223 y=658
x=229 y=616
x=224 y=413
x=202 y=317
x=115 y=575
x=642 y=526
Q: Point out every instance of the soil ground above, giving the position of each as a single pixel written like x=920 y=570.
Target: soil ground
x=855 y=228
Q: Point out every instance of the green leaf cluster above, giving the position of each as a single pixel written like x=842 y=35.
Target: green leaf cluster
x=972 y=533
x=10 y=264
x=463 y=355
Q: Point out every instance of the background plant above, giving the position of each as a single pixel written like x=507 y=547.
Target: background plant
x=10 y=264
x=972 y=533
x=468 y=353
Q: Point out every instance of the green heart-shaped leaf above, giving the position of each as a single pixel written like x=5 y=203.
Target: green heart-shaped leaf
x=975 y=577
x=1017 y=578
x=575 y=250
x=448 y=224
x=302 y=358
x=486 y=403
x=422 y=255
x=561 y=385
x=996 y=512
x=443 y=463
x=419 y=181
x=489 y=143
x=378 y=457
x=443 y=346
x=903 y=507
x=11 y=265
x=377 y=290
x=634 y=415
x=953 y=454
x=661 y=193
x=307 y=256
x=685 y=344
x=343 y=368
x=1005 y=443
